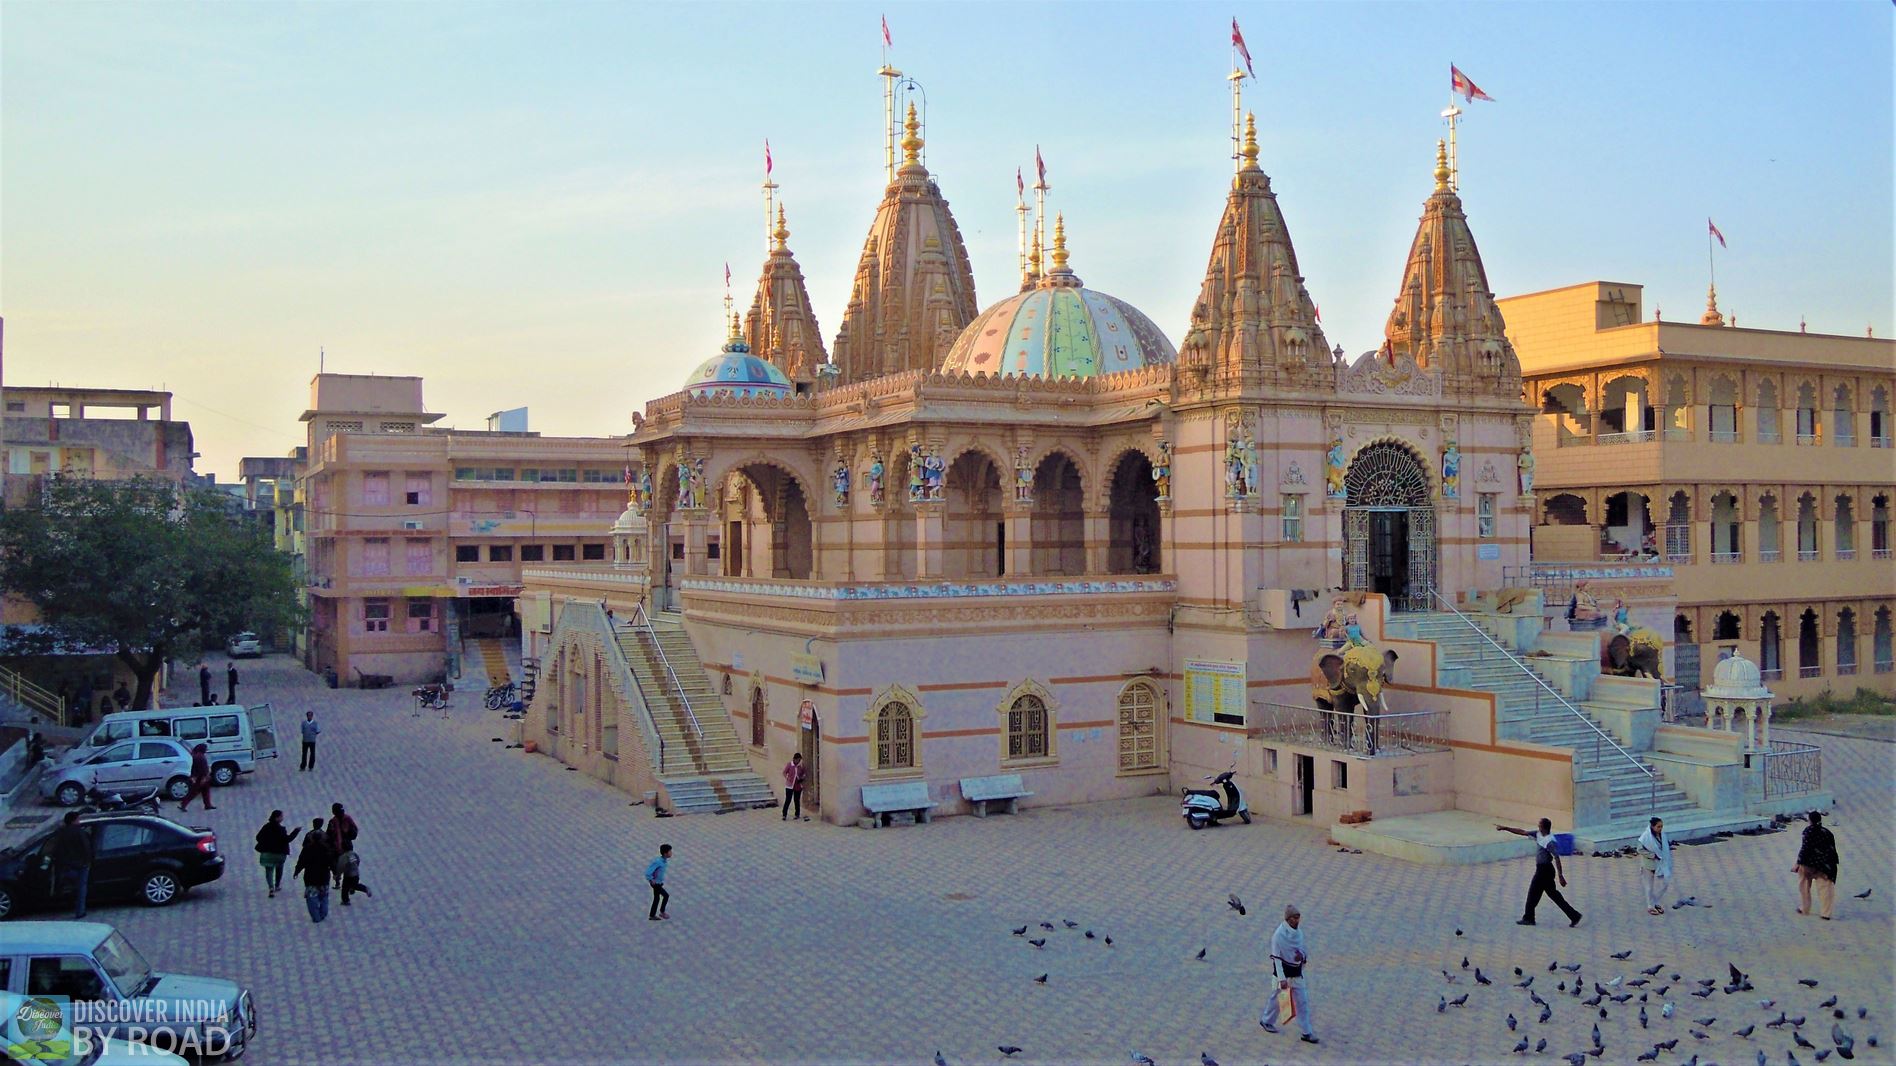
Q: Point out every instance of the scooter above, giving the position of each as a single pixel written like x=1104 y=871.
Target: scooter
x=1203 y=807
x=97 y=802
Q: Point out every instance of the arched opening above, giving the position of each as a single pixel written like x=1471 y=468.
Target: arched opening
x=1845 y=524
x=1807 y=425
x=758 y=723
x=1770 y=547
x=1879 y=417
x=763 y=527
x=1846 y=642
x=1842 y=418
x=1727 y=529
x=1722 y=411
x=1768 y=432
x=1806 y=528
x=1675 y=417
x=898 y=520
x=1566 y=406
x=894 y=737
x=1810 y=646
x=1879 y=527
x=1880 y=643
x=1133 y=518
x=1681 y=629
x=1628 y=529
x=667 y=544
x=1565 y=509
x=1389 y=526
x=973 y=532
x=1626 y=412
x=1139 y=727
x=1027 y=728
x=1059 y=520
x=1770 y=647
x=1679 y=528
x=1727 y=627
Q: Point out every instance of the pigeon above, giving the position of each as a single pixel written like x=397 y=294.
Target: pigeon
x=1008 y=1050
x=1458 y=932
x=1022 y=931
x=1865 y=894
x=1089 y=935
x=1779 y=1023
x=1668 y=1045
x=1599 y=989
x=1069 y=923
x=1831 y=1002
x=1666 y=1011
x=1797 y=1022
x=1578 y=1058
x=1798 y=1039
x=1761 y=1060
x=1524 y=984
x=1441 y=1004
x=1047 y=926
x=1708 y=982
x=1572 y=967
x=1705 y=1023
x=1642 y=1017
x=939 y=1061
x=1843 y=1040
x=1546 y=1013
x=1553 y=965
x=1821 y=1055
x=1511 y=1023
x=1459 y=1000
x=1561 y=987
x=1622 y=998
x=1767 y=1004
x=1142 y=1060
x=1650 y=1056
x=1807 y=982
x=1638 y=982
x=1041 y=943
x=1464 y=962
x=1521 y=1048
x=1109 y=941
x=1622 y=955
x=1863 y=1012
x=1702 y=993
x=1200 y=956
x=1449 y=977
x=1615 y=982
x=1738 y=978
x=1205 y=1059
x=1696 y=1035
x=1041 y=980
x=1650 y=970
x=1596 y=1035
x=1236 y=904
x=1745 y=1032
x=1594 y=1002
x=1517 y=971
x=1480 y=979
x=1540 y=1045
x=1534 y=998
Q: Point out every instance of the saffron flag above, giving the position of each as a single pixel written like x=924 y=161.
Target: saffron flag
x=1460 y=83
x=887 y=41
x=1040 y=165
x=767 y=163
x=1237 y=42
x=727 y=275
x=1713 y=228
x=1020 y=184
x=1318 y=308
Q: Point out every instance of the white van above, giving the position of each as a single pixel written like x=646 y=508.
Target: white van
x=235 y=737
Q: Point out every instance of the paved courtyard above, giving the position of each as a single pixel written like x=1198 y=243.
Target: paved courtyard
x=508 y=925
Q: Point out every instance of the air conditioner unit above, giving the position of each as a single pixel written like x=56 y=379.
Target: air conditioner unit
x=411 y=523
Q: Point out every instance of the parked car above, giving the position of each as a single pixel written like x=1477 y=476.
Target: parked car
x=235 y=737
x=131 y=767
x=88 y=1050
x=244 y=646
x=141 y=856
x=113 y=990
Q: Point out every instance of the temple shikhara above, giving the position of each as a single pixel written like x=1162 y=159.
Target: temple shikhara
x=1031 y=550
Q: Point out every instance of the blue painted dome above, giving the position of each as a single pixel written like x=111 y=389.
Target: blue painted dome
x=736 y=372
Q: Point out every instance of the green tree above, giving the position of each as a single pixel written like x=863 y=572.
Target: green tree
x=144 y=567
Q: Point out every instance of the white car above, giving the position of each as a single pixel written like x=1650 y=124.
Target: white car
x=244 y=646
x=129 y=768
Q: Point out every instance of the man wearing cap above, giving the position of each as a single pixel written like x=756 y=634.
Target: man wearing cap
x=1288 y=959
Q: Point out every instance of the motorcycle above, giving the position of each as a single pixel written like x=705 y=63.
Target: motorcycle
x=431 y=698
x=97 y=802
x=1204 y=806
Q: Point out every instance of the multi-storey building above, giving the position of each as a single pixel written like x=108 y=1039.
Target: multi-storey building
x=60 y=431
x=1756 y=463
x=416 y=535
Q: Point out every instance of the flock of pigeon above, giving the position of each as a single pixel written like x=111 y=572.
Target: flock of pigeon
x=1663 y=994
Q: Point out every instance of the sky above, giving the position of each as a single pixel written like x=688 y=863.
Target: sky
x=533 y=204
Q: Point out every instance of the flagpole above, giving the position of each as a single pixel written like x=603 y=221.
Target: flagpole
x=770 y=201
x=1711 y=263
x=1020 y=209
x=1452 y=113
x=1237 y=111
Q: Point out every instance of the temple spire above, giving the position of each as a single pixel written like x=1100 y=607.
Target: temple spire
x=1249 y=151
x=1711 y=317
x=781 y=233
x=780 y=326
x=1441 y=166
x=912 y=140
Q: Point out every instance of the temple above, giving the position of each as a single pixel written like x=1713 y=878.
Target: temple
x=1036 y=552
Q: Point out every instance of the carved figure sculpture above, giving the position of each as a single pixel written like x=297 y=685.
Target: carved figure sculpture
x=1333 y=470
x=1023 y=478
x=642 y=492
x=1250 y=466
x=1348 y=682
x=687 y=488
x=917 y=483
x=1583 y=611
x=1234 y=469
x=875 y=479
x=1162 y=471
x=1451 y=470
x=933 y=470
x=1632 y=654
x=1526 y=466
x=1333 y=628
x=840 y=479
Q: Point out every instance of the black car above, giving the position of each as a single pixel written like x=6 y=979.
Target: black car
x=142 y=856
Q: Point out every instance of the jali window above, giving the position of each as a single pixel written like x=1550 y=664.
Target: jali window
x=1027 y=728
x=895 y=737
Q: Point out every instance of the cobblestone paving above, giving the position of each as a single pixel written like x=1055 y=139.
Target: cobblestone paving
x=508 y=925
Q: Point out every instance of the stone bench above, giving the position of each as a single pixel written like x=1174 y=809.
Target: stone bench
x=901 y=797
x=1001 y=788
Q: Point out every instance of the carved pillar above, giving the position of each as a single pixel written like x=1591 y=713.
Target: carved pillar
x=1096 y=529
x=930 y=532
x=697 y=522
x=1764 y=725
x=1020 y=539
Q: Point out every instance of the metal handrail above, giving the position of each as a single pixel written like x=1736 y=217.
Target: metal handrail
x=1599 y=734
x=640 y=618
x=32 y=696
x=618 y=655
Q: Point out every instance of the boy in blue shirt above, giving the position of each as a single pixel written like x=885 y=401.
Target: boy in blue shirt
x=655 y=876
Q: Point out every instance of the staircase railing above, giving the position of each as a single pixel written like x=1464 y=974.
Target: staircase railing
x=1652 y=778
x=33 y=697
x=642 y=620
x=594 y=617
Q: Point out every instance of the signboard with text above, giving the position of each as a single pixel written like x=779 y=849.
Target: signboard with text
x=1214 y=691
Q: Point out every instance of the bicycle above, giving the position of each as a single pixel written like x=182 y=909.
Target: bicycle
x=500 y=696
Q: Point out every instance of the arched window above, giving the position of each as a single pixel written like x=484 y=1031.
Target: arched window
x=1566 y=509
x=1807 y=426
x=1845 y=527
x=895 y=737
x=1722 y=412
x=1769 y=549
x=759 y=722
x=1679 y=528
x=1138 y=727
x=1846 y=642
x=1880 y=649
x=1727 y=540
x=1879 y=527
x=1675 y=417
x=1810 y=646
x=1842 y=418
x=1806 y=528
x=1726 y=627
x=1879 y=417
x=1770 y=650
x=1768 y=413
x=1027 y=728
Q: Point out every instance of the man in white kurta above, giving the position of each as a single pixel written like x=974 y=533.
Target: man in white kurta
x=1288 y=958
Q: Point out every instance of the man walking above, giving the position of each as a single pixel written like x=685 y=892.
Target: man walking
x=316 y=865
x=311 y=728
x=204 y=682
x=72 y=860
x=655 y=876
x=1655 y=858
x=1288 y=958
x=1817 y=864
x=1547 y=870
x=342 y=834
x=200 y=779
x=794 y=774
x=230 y=682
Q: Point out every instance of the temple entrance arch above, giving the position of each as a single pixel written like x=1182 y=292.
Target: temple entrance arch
x=1389 y=526
x=762 y=516
x=974 y=536
x=1059 y=521
x=1132 y=514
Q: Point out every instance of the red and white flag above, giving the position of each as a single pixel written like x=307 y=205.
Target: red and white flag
x=1237 y=42
x=1020 y=184
x=1460 y=84
x=1318 y=308
x=767 y=162
x=887 y=41
x=1040 y=165
x=727 y=275
x=1712 y=227
x=628 y=474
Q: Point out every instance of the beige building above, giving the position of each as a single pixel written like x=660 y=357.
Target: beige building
x=1757 y=464
x=415 y=535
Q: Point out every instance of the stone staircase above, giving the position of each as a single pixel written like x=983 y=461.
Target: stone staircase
x=1525 y=711
x=706 y=767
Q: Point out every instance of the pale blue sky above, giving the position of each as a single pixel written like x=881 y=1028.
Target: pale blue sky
x=533 y=204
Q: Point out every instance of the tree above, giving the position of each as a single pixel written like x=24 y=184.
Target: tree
x=142 y=566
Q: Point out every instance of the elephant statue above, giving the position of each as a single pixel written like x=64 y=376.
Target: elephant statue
x=1349 y=682
x=1634 y=653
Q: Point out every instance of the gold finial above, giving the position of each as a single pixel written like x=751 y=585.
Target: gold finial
x=1033 y=258
x=912 y=142
x=1711 y=317
x=1249 y=151
x=1441 y=166
x=782 y=232
x=1059 y=244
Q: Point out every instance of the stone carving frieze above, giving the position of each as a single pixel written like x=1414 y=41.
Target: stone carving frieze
x=1371 y=376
